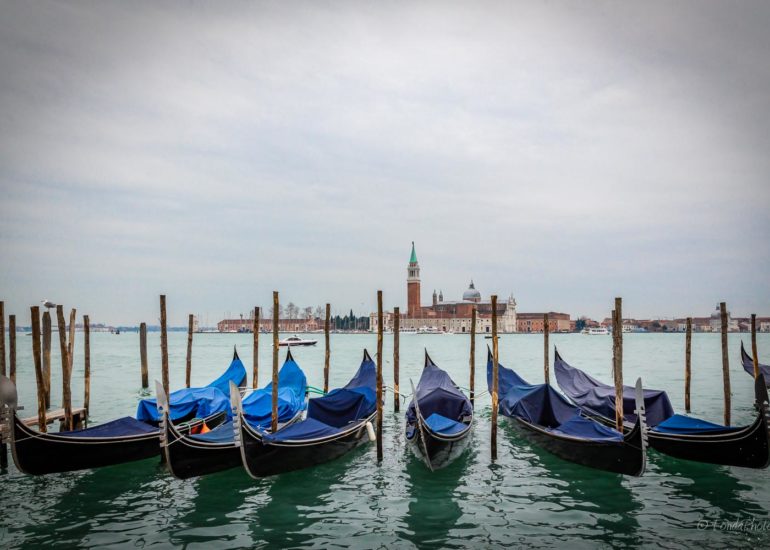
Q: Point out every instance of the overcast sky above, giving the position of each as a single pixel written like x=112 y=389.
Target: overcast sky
x=566 y=152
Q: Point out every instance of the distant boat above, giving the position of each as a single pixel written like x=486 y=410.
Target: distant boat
x=595 y=331
x=428 y=330
x=297 y=341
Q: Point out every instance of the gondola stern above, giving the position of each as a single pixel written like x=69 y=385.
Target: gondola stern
x=235 y=354
x=428 y=360
x=641 y=420
x=289 y=356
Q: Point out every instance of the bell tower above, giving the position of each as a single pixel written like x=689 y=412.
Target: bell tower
x=413 y=285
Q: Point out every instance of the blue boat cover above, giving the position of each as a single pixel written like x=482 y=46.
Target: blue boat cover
x=443 y=425
x=292 y=387
x=258 y=405
x=437 y=394
x=201 y=402
x=328 y=414
x=748 y=364
x=115 y=428
x=186 y=403
x=680 y=424
x=594 y=396
x=221 y=434
x=543 y=406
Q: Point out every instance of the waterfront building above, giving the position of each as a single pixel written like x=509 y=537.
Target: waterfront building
x=447 y=315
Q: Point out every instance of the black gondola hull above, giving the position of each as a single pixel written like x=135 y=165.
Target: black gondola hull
x=624 y=457
x=746 y=448
x=39 y=453
x=187 y=457
x=436 y=450
x=267 y=459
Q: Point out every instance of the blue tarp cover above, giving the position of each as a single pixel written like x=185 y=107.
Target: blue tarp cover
x=591 y=394
x=258 y=405
x=115 y=428
x=543 y=406
x=748 y=364
x=327 y=414
x=292 y=387
x=201 y=402
x=437 y=394
x=680 y=424
x=443 y=425
x=221 y=434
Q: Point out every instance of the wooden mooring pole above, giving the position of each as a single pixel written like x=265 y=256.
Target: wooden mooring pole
x=143 y=354
x=687 y=365
x=495 y=377
x=86 y=364
x=275 y=363
x=379 y=376
x=188 y=372
x=65 y=361
x=546 y=330
x=396 y=346
x=255 y=364
x=47 y=356
x=725 y=361
x=327 y=352
x=472 y=359
x=617 y=363
x=12 y=348
x=754 y=354
x=39 y=375
x=2 y=340
x=3 y=448
x=164 y=345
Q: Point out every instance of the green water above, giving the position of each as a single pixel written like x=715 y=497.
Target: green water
x=527 y=497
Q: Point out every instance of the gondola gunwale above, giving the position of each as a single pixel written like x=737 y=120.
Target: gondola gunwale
x=422 y=431
x=634 y=440
x=243 y=430
x=735 y=436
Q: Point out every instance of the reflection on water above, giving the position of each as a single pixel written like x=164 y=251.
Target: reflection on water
x=433 y=508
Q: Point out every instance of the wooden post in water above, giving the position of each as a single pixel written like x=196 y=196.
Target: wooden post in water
x=275 y=363
x=495 y=377
x=86 y=364
x=255 y=334
x=687 y=364
x=12 y=347
x=188 y=372
x=754 y=354
x=39 y=375
x=725 y=361
x=328 y=351
x=47 y=356
x=472 y=359
x=164 y=345
x=2 y=341
x=69 y=421
x=3 y=448
x=396 y=345
x=66 y=392
x=546 y=331
x=617 y=332
x=379 y=376
x=143 y=354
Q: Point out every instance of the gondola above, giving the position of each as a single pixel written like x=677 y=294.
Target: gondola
x=335 y=424
x=676 y=435
x=545 y=417
x=123 y=440
x=748 y=365
x=439 y=417
x=189 y=454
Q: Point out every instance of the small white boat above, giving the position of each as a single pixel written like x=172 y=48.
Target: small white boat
x=428 y=330
x=596 y=331
x=297 y=341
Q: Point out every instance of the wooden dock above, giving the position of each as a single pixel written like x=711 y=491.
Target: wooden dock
x=78 y=415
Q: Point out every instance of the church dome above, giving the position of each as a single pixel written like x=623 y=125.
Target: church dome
x=472 y=295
